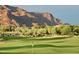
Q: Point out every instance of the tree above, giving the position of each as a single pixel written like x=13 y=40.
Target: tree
x=66 y=30
x=58 y=29
x=41 y=32
x=76 y=30
x=10 y=28
x=54 y=32
x=63 y=29
x=49 y=29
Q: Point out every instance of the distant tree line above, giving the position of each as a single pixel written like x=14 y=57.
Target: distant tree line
x=36 y=31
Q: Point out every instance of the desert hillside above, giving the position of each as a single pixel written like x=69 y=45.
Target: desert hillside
x=19 y=17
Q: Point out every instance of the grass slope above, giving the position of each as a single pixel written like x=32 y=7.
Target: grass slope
x=41 y=46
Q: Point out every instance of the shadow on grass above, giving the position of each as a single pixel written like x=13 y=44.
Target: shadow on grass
x=47 y=45
x=57 y=38
x=57 y=42
x=16 y=52
x=15 y=47
x=36 y=46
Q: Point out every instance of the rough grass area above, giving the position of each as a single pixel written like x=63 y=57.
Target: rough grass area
x=40 y=46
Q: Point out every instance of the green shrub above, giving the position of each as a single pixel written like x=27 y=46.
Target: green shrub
x=76 y=30
x=66 y=30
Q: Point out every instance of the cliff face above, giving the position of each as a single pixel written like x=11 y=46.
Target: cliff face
x=4 y=19
x=18 y=16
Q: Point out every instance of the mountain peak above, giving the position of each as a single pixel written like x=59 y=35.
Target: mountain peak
x=11 y=14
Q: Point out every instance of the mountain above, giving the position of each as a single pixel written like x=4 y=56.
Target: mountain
x=18 y=16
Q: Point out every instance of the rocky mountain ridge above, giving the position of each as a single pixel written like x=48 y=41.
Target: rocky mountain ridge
x=18 y=16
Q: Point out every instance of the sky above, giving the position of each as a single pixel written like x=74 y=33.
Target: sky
x=67 y=13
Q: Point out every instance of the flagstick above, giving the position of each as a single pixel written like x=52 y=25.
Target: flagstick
x=32 y=47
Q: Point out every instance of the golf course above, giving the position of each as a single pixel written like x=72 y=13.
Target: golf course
x=58 y=45
x=41 y=32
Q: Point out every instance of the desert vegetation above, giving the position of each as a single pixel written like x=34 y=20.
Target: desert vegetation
x=39 y=31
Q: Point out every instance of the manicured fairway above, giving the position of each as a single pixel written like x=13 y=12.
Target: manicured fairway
x=41 y=46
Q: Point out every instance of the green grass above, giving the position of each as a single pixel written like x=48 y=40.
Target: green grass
x=40 y=46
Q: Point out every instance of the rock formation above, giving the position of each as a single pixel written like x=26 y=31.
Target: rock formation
x=17 y=16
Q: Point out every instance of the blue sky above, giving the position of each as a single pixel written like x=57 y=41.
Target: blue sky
x=67 y=13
